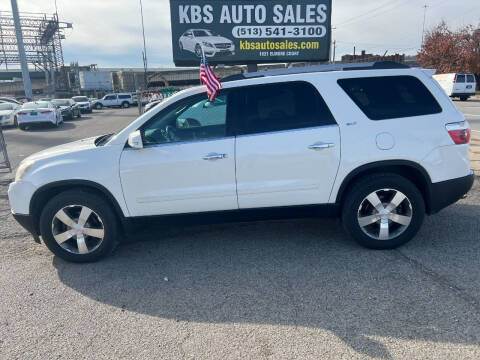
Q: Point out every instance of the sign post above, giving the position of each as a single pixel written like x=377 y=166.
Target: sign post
x=246 y=32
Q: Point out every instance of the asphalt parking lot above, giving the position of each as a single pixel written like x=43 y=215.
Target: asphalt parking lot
x=272 y=289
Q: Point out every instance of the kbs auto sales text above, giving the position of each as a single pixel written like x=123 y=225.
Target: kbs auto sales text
x=247 y=14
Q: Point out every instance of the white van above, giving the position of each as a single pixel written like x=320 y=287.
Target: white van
x=457 y=85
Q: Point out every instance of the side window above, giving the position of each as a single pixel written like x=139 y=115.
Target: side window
x=124 y=96
x=281 y=106
x=190 y=119
x=460 y=78
x=390 y=97
x=470 y=78
x=110 y=97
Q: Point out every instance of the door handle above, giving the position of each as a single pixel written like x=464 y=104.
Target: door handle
x=319 y=146
x=214 y=156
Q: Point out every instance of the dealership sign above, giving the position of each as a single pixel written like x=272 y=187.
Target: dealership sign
x=242 y=32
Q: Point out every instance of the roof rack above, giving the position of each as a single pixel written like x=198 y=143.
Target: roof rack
x=378 y=65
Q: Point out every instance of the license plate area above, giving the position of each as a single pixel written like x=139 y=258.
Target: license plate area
x=33 y=113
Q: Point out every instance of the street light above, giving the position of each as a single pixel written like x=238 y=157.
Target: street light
x=144 y=53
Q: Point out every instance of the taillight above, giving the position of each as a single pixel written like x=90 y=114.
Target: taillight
x=22 y=113
x=46 y=112
x=459 y=132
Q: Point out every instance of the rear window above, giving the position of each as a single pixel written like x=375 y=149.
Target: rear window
x=470 y=78
x=36 y=105
x=124 y=96
x=460 y=78
x=390 y=97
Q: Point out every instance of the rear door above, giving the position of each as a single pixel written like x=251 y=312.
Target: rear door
x=459 y=86
x=470 y=84
x=287 y=148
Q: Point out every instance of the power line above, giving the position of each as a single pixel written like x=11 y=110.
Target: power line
x=386 y=7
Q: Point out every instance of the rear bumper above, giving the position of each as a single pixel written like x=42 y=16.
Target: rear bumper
x=445 y=193
x=467 y=95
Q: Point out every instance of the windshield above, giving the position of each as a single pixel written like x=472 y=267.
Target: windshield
x=35 y=105
x=61 y=102
x=203 y=33
x=80 y=99
x=6 y=107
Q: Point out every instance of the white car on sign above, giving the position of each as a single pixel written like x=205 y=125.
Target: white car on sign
x=213 y=44
x=8 y=114
x=38 y=112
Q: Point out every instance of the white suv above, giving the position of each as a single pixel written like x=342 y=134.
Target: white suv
x=378 y=144
x=113 y=100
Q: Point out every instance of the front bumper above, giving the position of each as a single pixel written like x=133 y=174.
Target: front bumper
x=29 y=224
x=445 y=193
x=4 y=121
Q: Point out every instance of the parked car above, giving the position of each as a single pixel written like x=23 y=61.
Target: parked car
x=9 y=100
x=114 y=100
x=38 y=112
x=457 y=85
x=151 y=105
x=194 y=40
x=83 y=103
x=8 y=113
x=68 y=108
x=45 y=99
x=380 y=146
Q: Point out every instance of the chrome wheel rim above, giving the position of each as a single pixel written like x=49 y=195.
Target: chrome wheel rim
x=78 y=229
x=384 y=214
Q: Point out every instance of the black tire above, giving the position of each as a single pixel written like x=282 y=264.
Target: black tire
x=98 y=106
x=463 y=98
x=22 y=127
x=369 y=184
x=198 y=50
x=125 y=105
x=15 y=122
x=100 y=208
x=79 y=114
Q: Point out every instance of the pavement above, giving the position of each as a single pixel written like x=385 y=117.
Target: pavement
x=261 y=290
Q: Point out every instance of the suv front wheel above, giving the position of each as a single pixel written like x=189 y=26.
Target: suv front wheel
x=79 y=226
x=383 y=211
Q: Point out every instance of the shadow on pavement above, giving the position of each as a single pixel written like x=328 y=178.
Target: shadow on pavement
x=298 y=273
x=39 y=128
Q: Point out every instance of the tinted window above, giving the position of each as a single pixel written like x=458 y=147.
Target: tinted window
x=124 y=96
x=281 y=106
x=110 y=97
x=470 y=78
x=390 y=97
x=194 y=118
x=460 y=78
x=80 y=99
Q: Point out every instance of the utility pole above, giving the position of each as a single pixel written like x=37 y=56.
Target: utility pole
x=334 y=49
x=424 y=18
x=21 y=52
x=331 y=42
x=144 y=53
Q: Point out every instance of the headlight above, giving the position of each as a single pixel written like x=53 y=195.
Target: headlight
x=207 y=44
x=23 y=169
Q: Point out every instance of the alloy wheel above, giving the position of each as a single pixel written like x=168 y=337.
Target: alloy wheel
x=78 y=229
x=384 y=214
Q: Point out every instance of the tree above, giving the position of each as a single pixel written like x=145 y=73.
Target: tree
x=451 y=51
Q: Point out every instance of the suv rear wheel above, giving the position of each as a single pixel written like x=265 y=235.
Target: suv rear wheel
x=125 y=105
x=383 y=211
x=79 y=226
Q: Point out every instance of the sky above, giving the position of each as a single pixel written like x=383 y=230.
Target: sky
x=108 y=32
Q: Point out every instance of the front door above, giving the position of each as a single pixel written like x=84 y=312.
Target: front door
x=187 y=163
x=288 y=148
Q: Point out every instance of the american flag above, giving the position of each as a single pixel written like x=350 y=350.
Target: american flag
x=209 y=79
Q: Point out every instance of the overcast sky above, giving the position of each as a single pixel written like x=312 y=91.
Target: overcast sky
x=108 y=32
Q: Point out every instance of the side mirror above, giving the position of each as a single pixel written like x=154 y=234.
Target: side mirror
x=135 y=140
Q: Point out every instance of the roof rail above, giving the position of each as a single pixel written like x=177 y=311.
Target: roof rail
x=319 y=68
